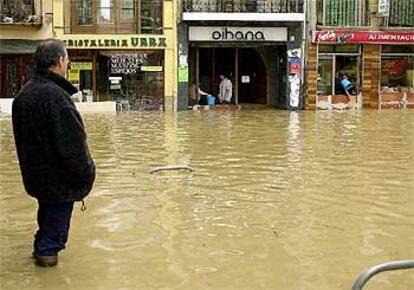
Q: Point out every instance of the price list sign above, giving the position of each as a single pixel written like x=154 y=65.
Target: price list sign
x=126 y=63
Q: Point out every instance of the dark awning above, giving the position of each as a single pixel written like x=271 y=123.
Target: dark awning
x=18 y=46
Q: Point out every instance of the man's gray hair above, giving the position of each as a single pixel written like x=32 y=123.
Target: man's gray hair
x=48 y=53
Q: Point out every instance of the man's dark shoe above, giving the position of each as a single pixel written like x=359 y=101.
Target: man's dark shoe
x=46 y=261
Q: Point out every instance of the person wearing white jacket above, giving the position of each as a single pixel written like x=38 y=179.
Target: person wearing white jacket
x=226 y=90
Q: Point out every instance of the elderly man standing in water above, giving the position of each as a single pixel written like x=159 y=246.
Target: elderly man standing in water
x=55 y=163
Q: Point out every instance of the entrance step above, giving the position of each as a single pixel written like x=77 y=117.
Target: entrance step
x=215 y=107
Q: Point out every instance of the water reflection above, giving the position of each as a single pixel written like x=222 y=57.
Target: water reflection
x=279 y=200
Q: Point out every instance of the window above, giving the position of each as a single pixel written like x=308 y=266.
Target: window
x=127 y=9
x=84 y=12
x=18 y=10
x=151 y=16
x=397 y=69
x=135 y=77
x=114 y=16
x=105 y=13
x=335 y=62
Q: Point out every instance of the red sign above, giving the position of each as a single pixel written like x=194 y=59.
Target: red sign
x=374 y=37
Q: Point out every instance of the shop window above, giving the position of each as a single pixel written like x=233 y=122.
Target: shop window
x=345 y=48
x=133 y=77
x=325 y=76
x=105 y=11
x=332 y=68
x=398 y=49
x=397 y=74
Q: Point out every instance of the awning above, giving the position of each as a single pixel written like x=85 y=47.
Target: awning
x=18 y=46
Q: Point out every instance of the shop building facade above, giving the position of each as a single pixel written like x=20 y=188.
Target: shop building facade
x=23 y=23
x=121 y=51
x=370 y=44
x=257 y=45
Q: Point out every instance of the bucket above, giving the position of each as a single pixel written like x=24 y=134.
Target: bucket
x=211 y=100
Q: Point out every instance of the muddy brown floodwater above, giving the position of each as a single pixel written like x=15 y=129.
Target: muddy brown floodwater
x=278 y=200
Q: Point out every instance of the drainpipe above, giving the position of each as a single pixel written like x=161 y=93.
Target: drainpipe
x=305 y=49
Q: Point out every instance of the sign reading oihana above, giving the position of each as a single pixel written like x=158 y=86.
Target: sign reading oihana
x=236 y=34
x=374 y=37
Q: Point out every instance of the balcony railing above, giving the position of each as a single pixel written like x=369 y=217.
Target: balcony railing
x=401 y=13
x=244 y=6
x=18 y=12
x=340 y=12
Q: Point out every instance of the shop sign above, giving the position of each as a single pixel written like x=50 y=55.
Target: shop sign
x=74 y=75
x=237 y=34
x=81 y=65
x=151 y=68
x=383 y=8
x=132 y=42
x=126 y=63
x=183 y=75
x=373 y=37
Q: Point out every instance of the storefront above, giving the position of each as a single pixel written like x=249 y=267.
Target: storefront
x=263 y=61
x=127 y=71
x=380 y=66
x=397 y=74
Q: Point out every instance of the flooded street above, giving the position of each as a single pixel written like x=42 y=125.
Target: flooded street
x=278 y=200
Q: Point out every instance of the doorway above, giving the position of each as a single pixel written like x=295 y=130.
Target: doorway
x=244 y=67
x=253 y=77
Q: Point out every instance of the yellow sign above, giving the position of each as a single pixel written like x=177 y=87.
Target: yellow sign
x=74 y=75
x=151 y=68
x=81 y=65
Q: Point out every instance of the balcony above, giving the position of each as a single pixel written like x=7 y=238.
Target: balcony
x=18 y=12
x=341 y=13
x=243 y=6
x=401 y=14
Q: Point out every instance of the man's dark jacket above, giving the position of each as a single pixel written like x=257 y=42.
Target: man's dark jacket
x=50 y=139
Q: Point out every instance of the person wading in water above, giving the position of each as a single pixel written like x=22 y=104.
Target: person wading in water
x=54 y=158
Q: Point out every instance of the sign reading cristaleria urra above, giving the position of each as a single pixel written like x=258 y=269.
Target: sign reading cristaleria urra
x=132 y=42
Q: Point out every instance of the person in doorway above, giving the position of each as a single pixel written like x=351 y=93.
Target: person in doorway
x=197 y=95
x=225 y=90
x=347 y=86
x=202 y=96
x=54 y=158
